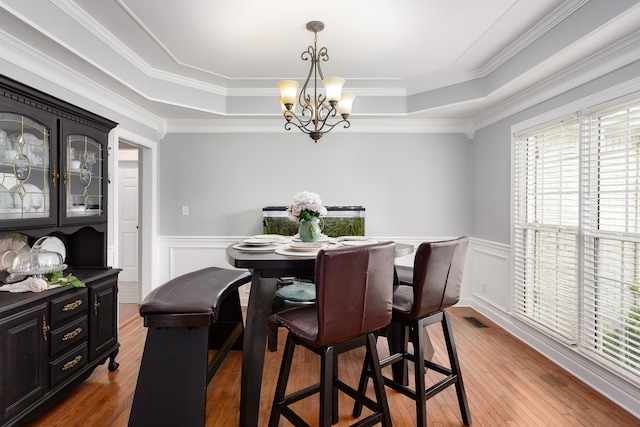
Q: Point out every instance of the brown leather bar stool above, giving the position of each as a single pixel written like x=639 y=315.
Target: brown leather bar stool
x=437 y=277
x=353 y=302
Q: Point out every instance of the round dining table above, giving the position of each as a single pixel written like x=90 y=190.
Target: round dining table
x=266 y=267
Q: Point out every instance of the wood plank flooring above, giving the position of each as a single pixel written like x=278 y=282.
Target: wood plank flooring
x=507 y=383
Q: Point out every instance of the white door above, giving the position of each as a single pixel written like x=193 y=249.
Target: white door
x=128 y=220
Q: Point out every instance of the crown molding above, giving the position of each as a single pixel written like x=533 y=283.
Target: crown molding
x=23 y=56
x=95 y=28
x=614 y=57
x=358 y=126
x=273 y=92
x=542 y=27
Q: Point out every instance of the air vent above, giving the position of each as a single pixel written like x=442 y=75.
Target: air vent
x=475 y=322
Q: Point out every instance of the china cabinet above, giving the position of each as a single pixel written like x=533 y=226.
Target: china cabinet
x=53 y=182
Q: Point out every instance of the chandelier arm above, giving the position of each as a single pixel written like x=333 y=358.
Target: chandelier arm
x=292 y=114
x=307 y=55
x=323 y=54
x=331 y=126
x=288 y=125
x=327 y=127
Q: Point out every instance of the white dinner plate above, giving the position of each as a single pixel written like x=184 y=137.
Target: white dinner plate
x=245 y=248
x=322 y=238
x=348 y=238
x=306 y=246
x=51 y=244
x=257 y=242
x=273 y=237
x=298 y=254
x=358 y=242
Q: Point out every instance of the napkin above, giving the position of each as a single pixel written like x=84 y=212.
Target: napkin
x=30 y=284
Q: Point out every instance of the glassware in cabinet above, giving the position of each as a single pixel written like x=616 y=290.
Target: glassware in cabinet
x=84 y=186
x=25 y=169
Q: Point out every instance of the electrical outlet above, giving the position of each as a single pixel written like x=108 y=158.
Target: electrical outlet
x=185 y=210
x=484 y=287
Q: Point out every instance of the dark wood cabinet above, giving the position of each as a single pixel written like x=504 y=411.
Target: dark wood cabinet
x=104 y=307
x=54 y=181
x=23 y=359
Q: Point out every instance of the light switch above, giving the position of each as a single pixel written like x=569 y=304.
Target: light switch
x=185 y=210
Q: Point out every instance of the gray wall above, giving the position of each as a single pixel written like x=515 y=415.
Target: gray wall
x=492 y=157
x=409 y=184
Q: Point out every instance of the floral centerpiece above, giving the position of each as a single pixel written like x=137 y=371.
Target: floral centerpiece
x=307 y=209
x=306 y=205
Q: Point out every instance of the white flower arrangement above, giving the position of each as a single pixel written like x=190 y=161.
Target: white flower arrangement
x=306 y=205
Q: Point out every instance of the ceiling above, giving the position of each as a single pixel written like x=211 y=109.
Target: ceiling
x=200 y=58
x=383 y=41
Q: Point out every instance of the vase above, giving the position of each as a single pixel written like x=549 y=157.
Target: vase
x=310 y=230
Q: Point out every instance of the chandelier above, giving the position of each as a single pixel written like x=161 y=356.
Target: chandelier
x=318 y=111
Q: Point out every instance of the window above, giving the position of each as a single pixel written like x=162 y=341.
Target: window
x=576 y=234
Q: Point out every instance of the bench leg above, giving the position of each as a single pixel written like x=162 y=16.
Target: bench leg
x=172 y=382
x=229 y=318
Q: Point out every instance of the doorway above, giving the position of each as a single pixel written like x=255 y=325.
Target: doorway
x=128 y=223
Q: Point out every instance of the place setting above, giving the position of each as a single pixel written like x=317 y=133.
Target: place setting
x=355 y=241
x=261 y=243
x=297 y=248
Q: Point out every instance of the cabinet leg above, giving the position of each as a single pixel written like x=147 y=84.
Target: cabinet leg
x=113 y=365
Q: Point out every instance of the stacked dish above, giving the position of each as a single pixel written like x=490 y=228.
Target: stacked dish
x=302 y=249
x=10 y=248
x=260 y=243
x=51 y=243
x=355 y=240
x=46 y=256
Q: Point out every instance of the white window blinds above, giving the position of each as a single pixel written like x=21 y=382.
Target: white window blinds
x=546 y=202
x=576 y=234
x=610 y=316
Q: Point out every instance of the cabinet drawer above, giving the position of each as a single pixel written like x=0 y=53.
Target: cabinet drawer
x=69 y=306
x=69 y=364
x=69 y=335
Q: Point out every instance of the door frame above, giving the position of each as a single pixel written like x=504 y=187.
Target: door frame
x=148 y=202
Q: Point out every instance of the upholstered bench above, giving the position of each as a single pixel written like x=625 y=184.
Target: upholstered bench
x=185 y=318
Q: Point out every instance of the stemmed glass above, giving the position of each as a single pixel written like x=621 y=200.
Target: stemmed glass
x=91 y=159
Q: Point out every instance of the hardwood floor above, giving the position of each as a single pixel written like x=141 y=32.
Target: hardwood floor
x=507 y=384
x=127 y=312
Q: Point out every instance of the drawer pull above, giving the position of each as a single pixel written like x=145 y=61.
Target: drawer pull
x=72 y=334
x=45 y=328
x=70 y=364
x=72 y=306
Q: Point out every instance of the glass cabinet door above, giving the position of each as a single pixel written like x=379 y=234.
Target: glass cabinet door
x=84 y=186
x=25 y=173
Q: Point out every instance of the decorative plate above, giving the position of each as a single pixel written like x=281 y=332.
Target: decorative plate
x=298 y=291
x=52 y=244
x=10 y=247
